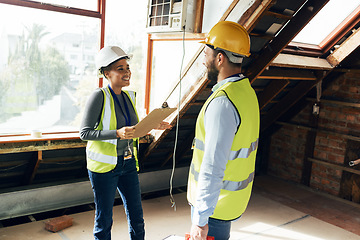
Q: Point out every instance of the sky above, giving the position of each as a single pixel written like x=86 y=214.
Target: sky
x=332 y=14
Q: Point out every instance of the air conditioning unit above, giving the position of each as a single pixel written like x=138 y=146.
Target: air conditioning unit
x=171 y=16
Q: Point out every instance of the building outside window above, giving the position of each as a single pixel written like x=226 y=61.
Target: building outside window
x=47 y=62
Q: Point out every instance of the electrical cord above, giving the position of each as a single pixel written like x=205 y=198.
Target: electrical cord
x=172 y=199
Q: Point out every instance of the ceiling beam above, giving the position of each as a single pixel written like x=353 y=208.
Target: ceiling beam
x=345 y=49
x=271 y=91
x=295 y=61
x=275 y=73
x=294 y=26
x=278 y=15
x=249 y=19
x=286 y=103
x=303 y=49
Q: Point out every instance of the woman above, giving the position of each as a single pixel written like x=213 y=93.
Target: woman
x=108 y=126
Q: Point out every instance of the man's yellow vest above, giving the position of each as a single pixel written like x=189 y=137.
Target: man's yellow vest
x=102 y=154
x=240 y=168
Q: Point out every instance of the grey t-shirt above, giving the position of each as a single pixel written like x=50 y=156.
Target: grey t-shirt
x=92 y=115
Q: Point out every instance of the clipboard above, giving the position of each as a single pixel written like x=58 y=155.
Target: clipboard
x=152 y=120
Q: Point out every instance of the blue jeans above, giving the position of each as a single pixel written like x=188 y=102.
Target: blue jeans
x=125 y=179
x=219 y=229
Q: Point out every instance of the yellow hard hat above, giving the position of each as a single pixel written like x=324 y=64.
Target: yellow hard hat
x=229 y=36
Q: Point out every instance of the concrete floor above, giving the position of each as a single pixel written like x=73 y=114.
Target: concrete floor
x=277 y=210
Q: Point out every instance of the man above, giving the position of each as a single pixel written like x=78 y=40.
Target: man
x=226 y=137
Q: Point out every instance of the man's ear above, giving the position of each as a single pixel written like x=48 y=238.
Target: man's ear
x=220 y=58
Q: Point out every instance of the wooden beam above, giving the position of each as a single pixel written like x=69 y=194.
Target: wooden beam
x=262 y=35
x=288 y=73
x=295 y=61
x=53 y=7
x=271 y=91
x=345 y=49
x=278 y=15
x=199 y=16
x=249 y=19
x=148 y=73
x=40 y=146
x=36 y=167
x=325 y=131
x=303 y=49
x=334 y=166
x=347 y=104
x=284 y=37
x=286 y=103
x=229 y=10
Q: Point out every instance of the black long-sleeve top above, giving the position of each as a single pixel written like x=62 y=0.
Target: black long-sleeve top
x=92 y=115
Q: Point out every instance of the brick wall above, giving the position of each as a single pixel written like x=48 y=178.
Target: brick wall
x=287 y=149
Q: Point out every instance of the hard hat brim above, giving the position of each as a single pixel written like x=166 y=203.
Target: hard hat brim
x=128 y=56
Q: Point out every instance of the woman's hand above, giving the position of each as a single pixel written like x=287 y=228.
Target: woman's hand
x=125 y=132
x=163 y=126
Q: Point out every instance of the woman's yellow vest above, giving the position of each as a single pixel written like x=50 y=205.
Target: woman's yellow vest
x=240 y=168
x=102 y=154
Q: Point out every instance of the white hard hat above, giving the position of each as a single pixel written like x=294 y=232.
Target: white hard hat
x=109 y=54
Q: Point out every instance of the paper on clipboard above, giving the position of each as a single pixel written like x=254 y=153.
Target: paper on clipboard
x=152 y=120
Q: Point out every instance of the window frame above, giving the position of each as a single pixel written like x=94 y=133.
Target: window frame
x=330 y=41
x=100 y=14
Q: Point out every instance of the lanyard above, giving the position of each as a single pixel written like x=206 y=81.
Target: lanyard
x=127 y=113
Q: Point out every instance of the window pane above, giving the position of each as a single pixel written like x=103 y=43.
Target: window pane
x=82 y=4
x=326 y=20
x=166 y=70
x=47 y=68
x=126 y=28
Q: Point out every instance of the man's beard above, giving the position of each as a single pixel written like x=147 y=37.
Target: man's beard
x=212 y=73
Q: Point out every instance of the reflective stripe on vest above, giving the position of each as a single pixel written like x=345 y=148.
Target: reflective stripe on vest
x=242 y=153
x=106 y=119
x=227 y=185
x=100 y=157
x=102 y=154
x=240 y=168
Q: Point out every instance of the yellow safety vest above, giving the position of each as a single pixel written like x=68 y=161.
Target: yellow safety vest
x=102 y=154
x=240 y=168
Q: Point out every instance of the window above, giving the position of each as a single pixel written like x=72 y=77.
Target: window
x=47 y=61
x=83 y=4
x=43 y=79
x=326 y=20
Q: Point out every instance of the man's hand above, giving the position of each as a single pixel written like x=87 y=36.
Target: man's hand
x=199 y=233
